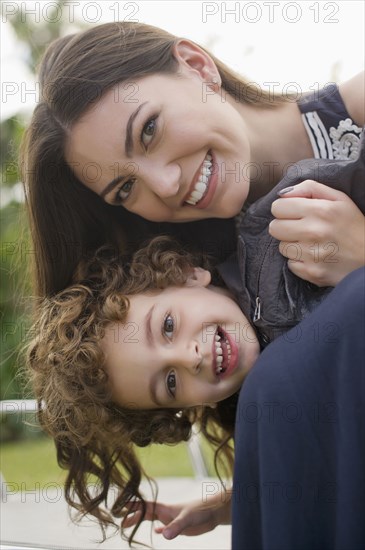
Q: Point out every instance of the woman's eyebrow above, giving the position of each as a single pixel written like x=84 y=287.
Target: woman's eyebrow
x=128 y=146
x=111 y=186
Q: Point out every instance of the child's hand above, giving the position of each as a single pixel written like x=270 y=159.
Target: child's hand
x=322 y=232
x=191 y=518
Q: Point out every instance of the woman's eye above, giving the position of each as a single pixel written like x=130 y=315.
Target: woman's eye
x=168 y=326
x=171 y=383
x=124 y=191
x=148 y=131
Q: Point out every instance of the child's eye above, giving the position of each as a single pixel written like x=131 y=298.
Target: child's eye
x=168 y=326
x=148 y=131
x=124 y=191
x=171 y=383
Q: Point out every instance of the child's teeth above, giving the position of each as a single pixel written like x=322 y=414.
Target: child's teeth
x=229 y=350
x=218 y=339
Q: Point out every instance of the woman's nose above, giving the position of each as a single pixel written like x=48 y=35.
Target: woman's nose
x=163 y=181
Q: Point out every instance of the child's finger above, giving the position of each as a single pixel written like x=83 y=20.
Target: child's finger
x=152 y=510
x=131 y=519
x=176 y=527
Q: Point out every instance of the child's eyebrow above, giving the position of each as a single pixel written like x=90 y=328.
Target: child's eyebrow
x=153 y=389
x=149 y=335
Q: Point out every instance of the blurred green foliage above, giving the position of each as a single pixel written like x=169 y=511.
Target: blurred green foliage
x=15 y=246
x=31 y=462
x=11 y=132
x=13 y=311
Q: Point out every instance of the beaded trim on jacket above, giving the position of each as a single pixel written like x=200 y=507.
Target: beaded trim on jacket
x=331 y=131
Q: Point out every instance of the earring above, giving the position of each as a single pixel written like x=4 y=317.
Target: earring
x=215 y=84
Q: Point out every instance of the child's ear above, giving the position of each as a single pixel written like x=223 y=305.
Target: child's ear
x=198 y=277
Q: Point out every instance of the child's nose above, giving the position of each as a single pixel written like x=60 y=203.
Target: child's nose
x=190 y=358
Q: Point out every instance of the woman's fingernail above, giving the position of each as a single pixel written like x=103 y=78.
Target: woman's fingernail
x=167 y=534
x=285 y=190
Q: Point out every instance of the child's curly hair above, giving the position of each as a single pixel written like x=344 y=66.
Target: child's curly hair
x=94 y=437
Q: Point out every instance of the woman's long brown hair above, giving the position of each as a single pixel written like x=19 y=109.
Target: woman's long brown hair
x=67 y=220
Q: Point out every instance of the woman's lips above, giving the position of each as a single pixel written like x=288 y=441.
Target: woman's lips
x=210 y=185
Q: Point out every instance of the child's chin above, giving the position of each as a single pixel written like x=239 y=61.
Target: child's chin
x=240 y=374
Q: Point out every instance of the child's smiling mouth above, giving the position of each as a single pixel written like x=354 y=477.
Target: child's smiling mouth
x=225 y=353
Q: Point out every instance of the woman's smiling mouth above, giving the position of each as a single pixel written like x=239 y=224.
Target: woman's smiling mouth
x=201 y=182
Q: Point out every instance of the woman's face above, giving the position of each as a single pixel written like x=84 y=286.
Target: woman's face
x=166 y=147
x=179 y=347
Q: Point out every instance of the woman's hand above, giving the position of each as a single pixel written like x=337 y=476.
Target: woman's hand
x=191 y=518
x=321 y=231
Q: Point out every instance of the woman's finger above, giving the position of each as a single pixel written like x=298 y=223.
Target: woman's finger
x=293 y=209
x=315 y=273
x=295 y=230
x=312 y=190
x=291 y=250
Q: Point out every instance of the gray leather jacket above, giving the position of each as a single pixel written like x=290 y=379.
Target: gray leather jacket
x=269 y=294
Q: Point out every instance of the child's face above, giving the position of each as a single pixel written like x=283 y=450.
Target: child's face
x=178 y=128
x=167 y=353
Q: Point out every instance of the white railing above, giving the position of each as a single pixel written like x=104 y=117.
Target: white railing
x=14 y=406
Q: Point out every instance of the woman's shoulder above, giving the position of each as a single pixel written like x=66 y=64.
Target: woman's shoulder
x=331 y=116
x=346 y=99
x=327 y=99
x=353 y=94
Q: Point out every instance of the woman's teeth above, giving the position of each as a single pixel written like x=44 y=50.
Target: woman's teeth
x=219 y=354
x=201 y=185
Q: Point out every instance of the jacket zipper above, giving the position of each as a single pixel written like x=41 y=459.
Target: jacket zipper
x=257 y=312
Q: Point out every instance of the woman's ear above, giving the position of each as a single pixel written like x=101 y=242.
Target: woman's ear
x=198 y=277
x=192 y=58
